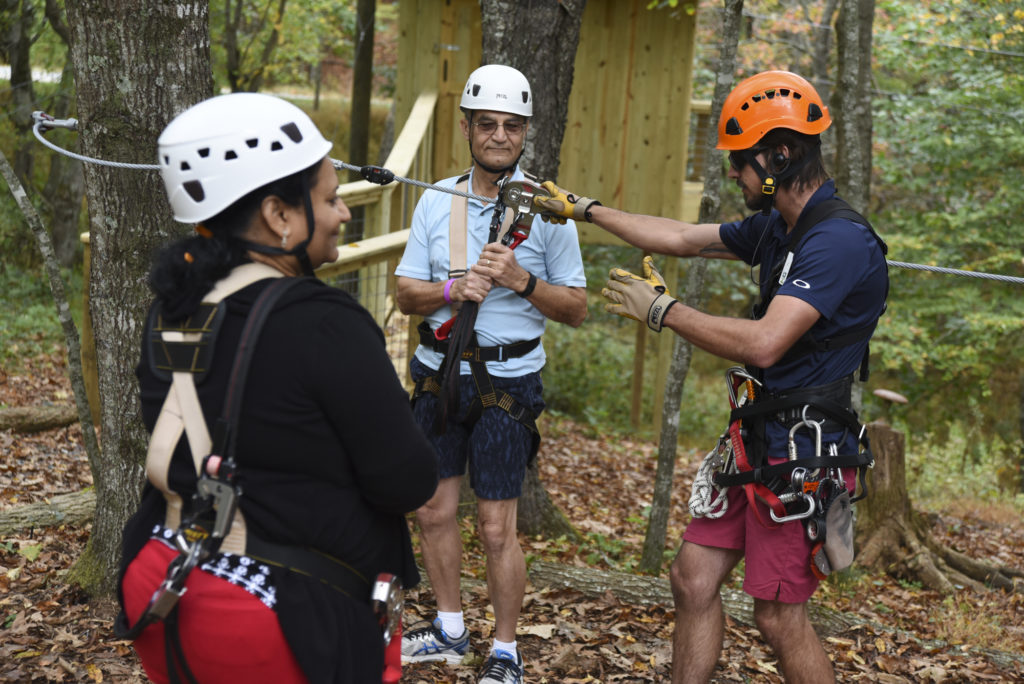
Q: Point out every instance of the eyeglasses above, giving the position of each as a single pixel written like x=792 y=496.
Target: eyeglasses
x=738 y=158
x=488 y=127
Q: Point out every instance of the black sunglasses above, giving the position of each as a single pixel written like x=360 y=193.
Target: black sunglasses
x=738 y=158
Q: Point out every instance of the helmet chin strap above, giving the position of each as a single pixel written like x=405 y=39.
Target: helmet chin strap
x=299 y=250
x=770 y=182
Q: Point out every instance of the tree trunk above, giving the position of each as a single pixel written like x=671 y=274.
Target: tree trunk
x=18 y=44
x=137 y=64
x=75 y=509
x=65 y=185
x=25 y=419
x=657 y=528
x=362 y=90
x=893 y=538
x=541 y=43
x=852 y=105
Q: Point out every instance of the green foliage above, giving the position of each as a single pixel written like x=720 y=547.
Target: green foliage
x=29 y=326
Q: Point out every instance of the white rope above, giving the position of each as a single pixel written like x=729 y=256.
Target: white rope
x=701 y=505
x=954 y=271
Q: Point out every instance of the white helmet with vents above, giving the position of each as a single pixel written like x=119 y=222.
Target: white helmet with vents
x=221 y=149
x=498 y=88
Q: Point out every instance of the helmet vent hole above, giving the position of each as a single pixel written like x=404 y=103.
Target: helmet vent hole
x=746 y=106
x=526 y=97
x=813 y=112
x=194 y=190
x=229 y=155
x=476 y=90
x=205 y=152
x=252 y=142
x=276 y=146
x=293 y=132
x=185 y=166
x=167 y=160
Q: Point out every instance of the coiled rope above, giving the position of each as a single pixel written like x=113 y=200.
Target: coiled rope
x=382 y=176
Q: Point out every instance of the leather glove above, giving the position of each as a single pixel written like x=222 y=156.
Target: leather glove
x=562 y=204
x=642 y=298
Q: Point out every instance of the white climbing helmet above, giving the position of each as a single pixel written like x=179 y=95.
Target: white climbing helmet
x=498 y=88
x=221 y=149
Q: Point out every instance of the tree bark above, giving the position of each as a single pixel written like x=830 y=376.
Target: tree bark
x=65 y=185
x=18 y=44
x=682 y=353
x=852 y=104
x=24 y=419
x=73 y=509
x=137 y=64
x=541 y=43
x=895 y=539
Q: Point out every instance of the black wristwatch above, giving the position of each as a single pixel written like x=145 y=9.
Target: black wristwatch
x=528 y=290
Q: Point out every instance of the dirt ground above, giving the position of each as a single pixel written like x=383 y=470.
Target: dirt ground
x=51 y=632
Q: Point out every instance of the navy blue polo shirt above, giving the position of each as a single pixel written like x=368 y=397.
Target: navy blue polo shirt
x=840 y=270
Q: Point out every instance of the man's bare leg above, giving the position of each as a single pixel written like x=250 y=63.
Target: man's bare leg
x=788 y=630
x=441 y=544
x=506 y=564
x=697 y=576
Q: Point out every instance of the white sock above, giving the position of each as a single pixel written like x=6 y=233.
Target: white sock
x=508 y=646
x=452 y=624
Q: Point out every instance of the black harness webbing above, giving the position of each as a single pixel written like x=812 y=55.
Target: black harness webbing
x=487 y=395
x=828 y=209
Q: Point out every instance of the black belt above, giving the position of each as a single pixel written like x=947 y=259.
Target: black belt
x=497 y=353
x=332 y=571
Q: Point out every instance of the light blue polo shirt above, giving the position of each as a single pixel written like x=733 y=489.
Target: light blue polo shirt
x=552 y=253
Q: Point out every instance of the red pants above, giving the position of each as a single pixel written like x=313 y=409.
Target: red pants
x=227 y=634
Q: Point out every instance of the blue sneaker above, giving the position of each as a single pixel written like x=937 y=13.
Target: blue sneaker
x=501 y=667
x=430 y=643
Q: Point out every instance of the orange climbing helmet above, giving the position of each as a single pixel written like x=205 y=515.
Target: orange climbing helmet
x=769 y=100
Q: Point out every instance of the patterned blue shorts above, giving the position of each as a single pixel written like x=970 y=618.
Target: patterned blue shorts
x=497 y=448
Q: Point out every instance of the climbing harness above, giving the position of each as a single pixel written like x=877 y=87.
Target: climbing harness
x=807 y=488
x=382 y=176
x=511 y=232
x=213 y=523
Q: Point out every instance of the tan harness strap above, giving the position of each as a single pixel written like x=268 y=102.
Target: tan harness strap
x=458 y=227
x=182 y=413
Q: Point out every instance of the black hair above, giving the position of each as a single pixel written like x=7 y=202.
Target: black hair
x=184 y=271
x=801 y=147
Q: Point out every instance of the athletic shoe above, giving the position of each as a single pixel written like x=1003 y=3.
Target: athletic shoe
x=428 y=642
x=501 y=667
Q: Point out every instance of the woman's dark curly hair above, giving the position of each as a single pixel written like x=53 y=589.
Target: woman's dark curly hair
x=184 y=271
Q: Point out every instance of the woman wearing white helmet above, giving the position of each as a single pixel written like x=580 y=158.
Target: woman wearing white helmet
x=284 y=597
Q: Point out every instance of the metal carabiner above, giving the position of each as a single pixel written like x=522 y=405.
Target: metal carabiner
x=518 y=195
x=740 y=372
x=811 y=506
x=805 y=422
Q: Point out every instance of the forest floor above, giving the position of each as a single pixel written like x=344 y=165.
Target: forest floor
x=52 y=632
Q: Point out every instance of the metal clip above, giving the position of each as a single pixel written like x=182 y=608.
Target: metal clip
x=518 y=195
x=730 y=379
x=46 y=122
x=805 y=422
x=386 y=601
x=811 y=506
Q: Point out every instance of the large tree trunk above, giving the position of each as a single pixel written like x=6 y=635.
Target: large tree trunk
x=362 y=91
x=541 y=43
x=895 y=539
x=137 y=64
x=852 y=104
x=682 y=353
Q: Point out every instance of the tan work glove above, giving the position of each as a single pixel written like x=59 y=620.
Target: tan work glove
x=642 y=298
x=562 y=205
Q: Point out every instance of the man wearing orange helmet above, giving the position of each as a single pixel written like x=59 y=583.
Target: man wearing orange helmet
x=777 y=493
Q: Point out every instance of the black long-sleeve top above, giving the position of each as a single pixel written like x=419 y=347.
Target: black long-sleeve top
x=329 y=457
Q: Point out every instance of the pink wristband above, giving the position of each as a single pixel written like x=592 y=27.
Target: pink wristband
x=448 y=290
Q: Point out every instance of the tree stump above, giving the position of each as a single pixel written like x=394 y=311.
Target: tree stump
x=895 y=539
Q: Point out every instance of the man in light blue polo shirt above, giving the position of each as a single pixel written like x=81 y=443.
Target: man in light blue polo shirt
x=517 y=290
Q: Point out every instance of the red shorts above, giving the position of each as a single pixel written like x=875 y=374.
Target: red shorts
x=227 y=634
x=777 y=558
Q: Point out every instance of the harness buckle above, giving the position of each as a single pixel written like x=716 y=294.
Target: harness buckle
x=386 y=601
